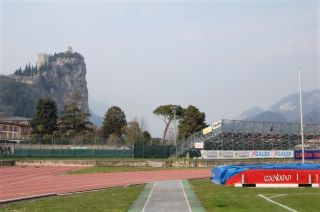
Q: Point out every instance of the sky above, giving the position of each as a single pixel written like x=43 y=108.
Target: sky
x=223 y=57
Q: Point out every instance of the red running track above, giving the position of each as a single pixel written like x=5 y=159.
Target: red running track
x=21 y=183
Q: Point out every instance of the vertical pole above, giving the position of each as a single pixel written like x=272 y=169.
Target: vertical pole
x=175 y=126
x=301 y=117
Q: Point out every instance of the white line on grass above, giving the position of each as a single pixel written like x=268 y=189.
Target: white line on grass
x=279 y=195
x=185 y=196
x=145 y=204
x=277 y=203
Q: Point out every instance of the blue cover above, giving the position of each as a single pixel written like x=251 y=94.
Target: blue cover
x=220 y=174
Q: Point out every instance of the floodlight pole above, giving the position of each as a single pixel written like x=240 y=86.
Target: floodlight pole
x=301 y=117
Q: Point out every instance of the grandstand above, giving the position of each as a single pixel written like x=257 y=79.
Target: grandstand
x=248 y=135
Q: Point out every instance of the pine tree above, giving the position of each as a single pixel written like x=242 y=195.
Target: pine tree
x=45 y=121
x=75 y=122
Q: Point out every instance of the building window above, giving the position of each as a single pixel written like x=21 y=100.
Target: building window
x=3 y=135
x=10 y=128
x=4 y=128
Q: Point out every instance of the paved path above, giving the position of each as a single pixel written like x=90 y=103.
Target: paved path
x=167 y=196
x=17 y=182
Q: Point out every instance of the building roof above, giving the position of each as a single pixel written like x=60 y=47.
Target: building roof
x=15 y=119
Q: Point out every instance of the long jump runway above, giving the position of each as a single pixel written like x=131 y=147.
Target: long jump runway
x=22 y=183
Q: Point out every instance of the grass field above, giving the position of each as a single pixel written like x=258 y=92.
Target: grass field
x=114 y=199
x=220 y=198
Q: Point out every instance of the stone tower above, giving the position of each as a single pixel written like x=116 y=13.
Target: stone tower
x=43 y=59
x=69 y=50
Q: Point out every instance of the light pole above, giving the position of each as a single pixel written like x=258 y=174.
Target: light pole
x=301 y=118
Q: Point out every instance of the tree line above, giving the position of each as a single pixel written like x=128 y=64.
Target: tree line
x=74 y=123
x=31 y=70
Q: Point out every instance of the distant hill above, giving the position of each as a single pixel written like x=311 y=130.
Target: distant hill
x=268 y=116
x=288 y=109
x=312 y=117
x=249 y=113
x=98 y=107
x=95 y=119
x=289 y=106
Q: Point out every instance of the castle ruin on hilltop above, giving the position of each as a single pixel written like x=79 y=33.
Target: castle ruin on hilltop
x=43 y=58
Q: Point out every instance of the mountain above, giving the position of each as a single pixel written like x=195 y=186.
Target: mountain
x=289 y=106
x=288 y=109
x=312 y=117
x=268 y=116
x=95 y=119
x=61 y=77
x=98 y=107
x=249 y=113
x=97 y=111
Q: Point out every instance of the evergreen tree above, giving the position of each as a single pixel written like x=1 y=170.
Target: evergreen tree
x=45 y=121
x=192 y=121
x=75 y=122
x=114 y=122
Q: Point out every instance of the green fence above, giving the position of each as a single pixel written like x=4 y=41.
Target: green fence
x=63 y=151
x=72 y=153
x=152 y=151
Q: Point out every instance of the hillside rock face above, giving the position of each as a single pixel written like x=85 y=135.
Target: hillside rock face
x=63 y=80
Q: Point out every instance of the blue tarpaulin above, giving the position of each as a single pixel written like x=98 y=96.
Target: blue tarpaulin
x=220 y=174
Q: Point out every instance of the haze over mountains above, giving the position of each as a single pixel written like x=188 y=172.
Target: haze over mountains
x=288 y=109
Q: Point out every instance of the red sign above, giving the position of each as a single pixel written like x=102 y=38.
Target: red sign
x=275 y=176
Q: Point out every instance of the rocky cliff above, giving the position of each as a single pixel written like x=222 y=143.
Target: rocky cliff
x=62 y=78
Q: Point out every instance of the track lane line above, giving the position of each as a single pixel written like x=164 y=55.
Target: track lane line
x=185 y=196
x=144 y=207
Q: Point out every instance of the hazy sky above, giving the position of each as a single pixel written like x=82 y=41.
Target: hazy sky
x=224 y=57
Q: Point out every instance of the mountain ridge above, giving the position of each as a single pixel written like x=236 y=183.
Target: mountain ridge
x=287 y=109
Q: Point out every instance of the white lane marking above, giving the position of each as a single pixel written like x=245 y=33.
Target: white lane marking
x=277 y=203
x=184 y=193
x=279 y=195
x=145 y=204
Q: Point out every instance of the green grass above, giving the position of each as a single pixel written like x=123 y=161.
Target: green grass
x=221 y=198
x=102 y=169
x=114 y=199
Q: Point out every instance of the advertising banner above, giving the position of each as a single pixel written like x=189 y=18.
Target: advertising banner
x=276 y=177
x=216 y=125
x=207 y=130
x=198 y=145
x=229 y=154
x=308 y=154
x=271 y=154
